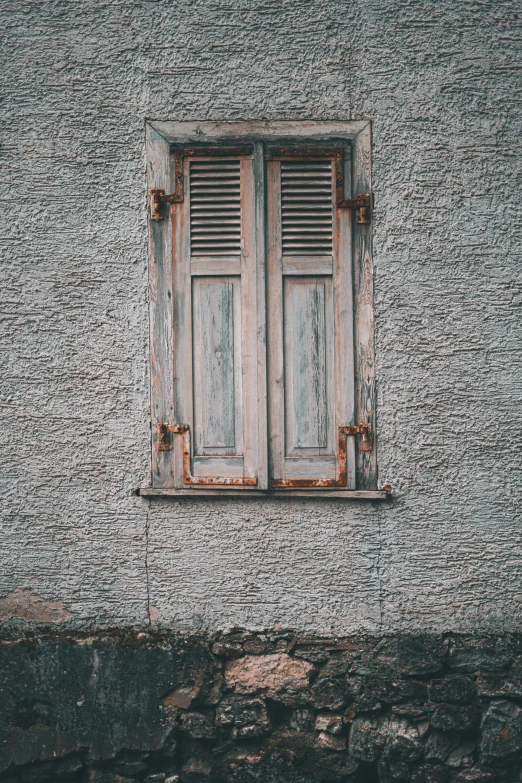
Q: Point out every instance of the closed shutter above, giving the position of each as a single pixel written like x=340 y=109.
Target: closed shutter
x=310 y=325
x=214 y=282
x=261 y=316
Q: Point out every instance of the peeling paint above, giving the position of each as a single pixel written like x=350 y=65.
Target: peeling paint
x=23 y=603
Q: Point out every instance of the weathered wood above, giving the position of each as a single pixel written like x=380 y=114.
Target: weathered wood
x=216 y=328
x=261 y=316
x=215 y=344
x=308 y=353
x=230 y=265
x=310 y=337
x=223 y=466
x=345 y=379
x=223 y=132
x=325 y=494
x=307 y=265
x=312 y=416
x=276 y=370
x=364 y=313
x=159 y=175
x=249 y=333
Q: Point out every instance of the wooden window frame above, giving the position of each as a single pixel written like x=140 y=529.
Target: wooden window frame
x=162 y=139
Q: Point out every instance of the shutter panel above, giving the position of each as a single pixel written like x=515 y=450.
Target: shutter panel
x=310 y=326
x=215 y=383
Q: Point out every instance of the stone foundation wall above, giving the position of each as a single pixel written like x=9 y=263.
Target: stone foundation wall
x=269 y=707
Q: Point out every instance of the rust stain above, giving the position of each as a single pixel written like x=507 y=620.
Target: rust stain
x=188 y=478
x=23 y=603
x=342 y=466
x=158 y=196
x=362 y=201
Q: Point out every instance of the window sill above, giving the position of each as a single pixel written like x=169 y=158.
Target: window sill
x=325 y=494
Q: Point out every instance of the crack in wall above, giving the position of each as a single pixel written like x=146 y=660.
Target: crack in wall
x=147 y=583
x=379 y=573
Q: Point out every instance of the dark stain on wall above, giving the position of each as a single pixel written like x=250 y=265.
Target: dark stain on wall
x=271 y=707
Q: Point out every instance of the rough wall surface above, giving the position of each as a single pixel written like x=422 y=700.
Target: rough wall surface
x=279 y=707
x=439 y=81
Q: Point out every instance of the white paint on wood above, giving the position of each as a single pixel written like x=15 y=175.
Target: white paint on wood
x=310 y=333
x=216 y=313
x=309 y=371
x=256 y=130
x=307 y=265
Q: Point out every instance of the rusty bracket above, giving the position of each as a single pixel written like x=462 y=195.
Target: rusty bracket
x=158 y=196
x=362 y=202
x=164 y=444
x=342 y=463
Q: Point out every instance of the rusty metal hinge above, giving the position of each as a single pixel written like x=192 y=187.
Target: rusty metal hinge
x=158 y=197
x=360 y=429
x=361 y=203
x=164 y=444
x=341 y=480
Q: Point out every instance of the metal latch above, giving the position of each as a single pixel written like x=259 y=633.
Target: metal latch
x=157 y=198
x=341 y=480
x=158 y=195
x=164 y=444
x=363 y=430
x=361 y=203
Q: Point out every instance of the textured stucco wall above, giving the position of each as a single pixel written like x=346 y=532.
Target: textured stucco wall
x=439 y=81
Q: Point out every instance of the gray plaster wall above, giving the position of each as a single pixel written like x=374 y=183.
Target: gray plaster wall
x=441 y=83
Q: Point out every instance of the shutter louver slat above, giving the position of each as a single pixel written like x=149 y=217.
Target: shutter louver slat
x=306 y=207
x=215 y=208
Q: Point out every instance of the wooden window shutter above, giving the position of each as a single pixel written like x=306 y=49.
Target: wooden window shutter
x=214 y=439
x=310 y=325
x=261 y=303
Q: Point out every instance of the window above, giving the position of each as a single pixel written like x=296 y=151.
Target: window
x=261 y=309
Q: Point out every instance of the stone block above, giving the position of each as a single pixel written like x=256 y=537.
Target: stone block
x=477 y=775
x=106 y=776
x=432 y=773
x=60 y=769
x=246 y=717
x=228 y=650
x=333 y=724
x=313 y=654
x=451 y=717
x=439 y=745
x=501 y=732
x=331 y=742
x=170 y=745
x=131 y=765
x=404 y=655
x=274 y=675
x=393 y=738
x=196 y=771
x=198 y=726
x=393 y=772
x=328 y=694
x=302 y=719
x=455 y=690
x=507 y=684
x=472 y=654
x=462 y=756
